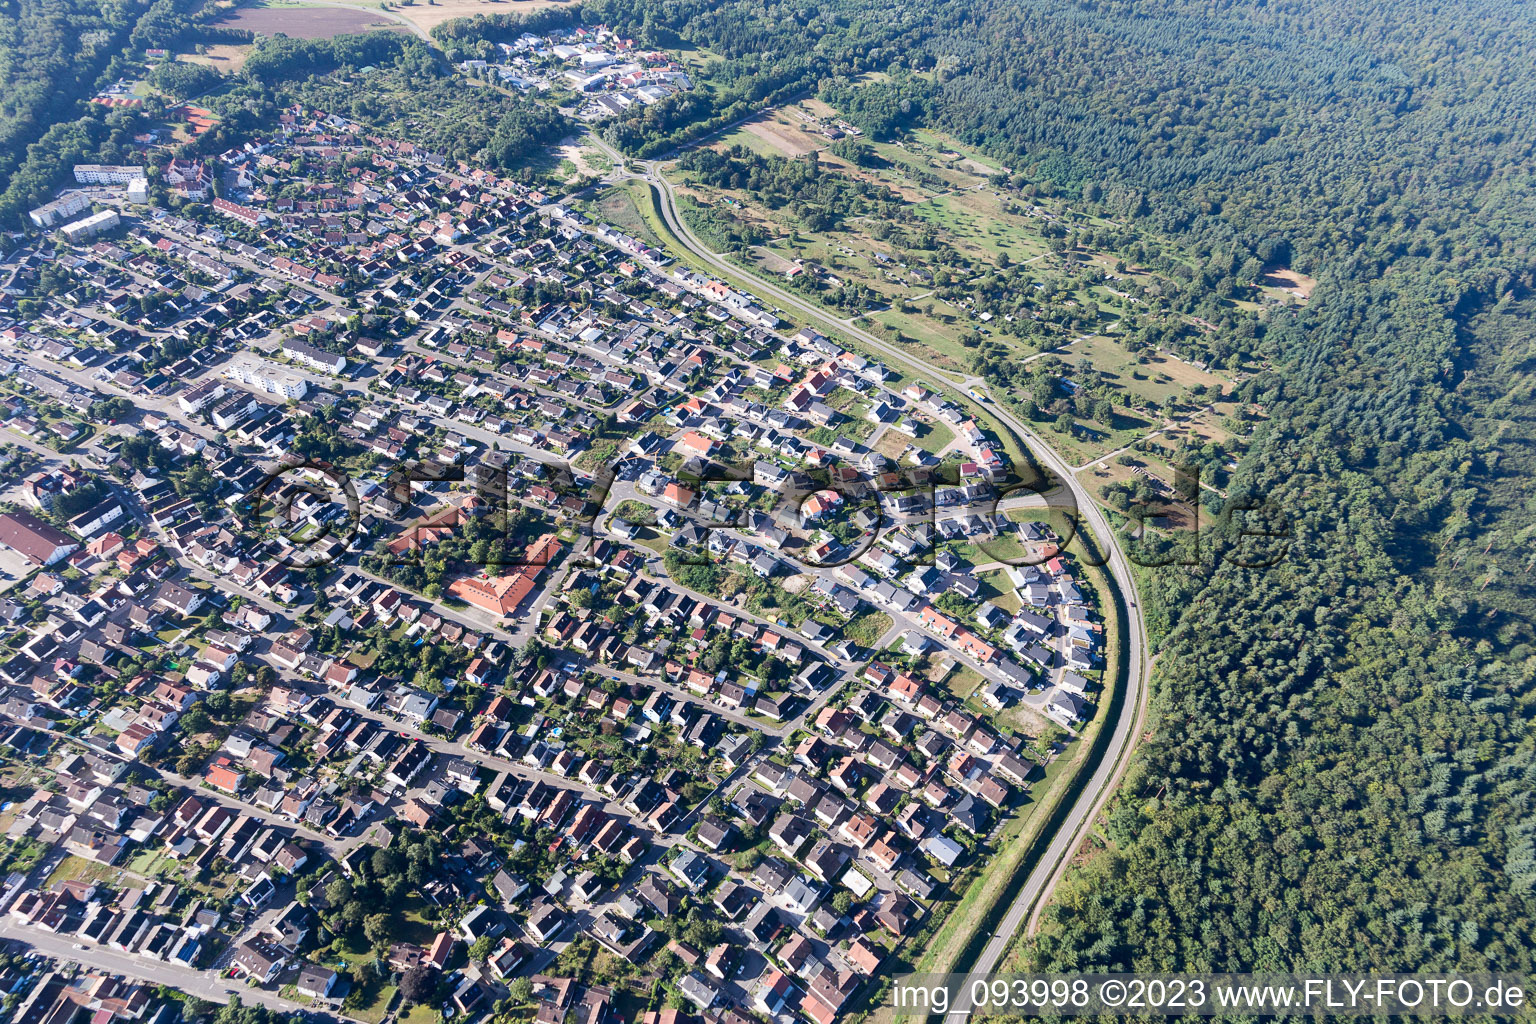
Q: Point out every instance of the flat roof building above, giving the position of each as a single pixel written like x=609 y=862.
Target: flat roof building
x=90 y=227
x=107 y=174
x=61 y=209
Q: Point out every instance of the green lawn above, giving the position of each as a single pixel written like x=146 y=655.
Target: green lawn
x=420 y=1015
x=934 y=437
x=866 y=629
x=414 y=927
x=996 y=587
x=927 y=338
x=648 y=537
x=73 y=868
x=152 y=863
x=964 y=682
x=989 y=549
x=620 y=207
x=375 y=1010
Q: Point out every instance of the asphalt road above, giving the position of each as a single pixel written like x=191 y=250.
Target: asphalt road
x=203 y=984
x=1126 y=726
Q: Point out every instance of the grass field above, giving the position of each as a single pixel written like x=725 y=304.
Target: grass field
x=957 y=157
x=928 y=338
x=957 y=227
x=1159 y=387
x=1160 y=379
x=773 y=133
x=964 y=682
x=224 y=57
x=376 y=1010
x=935 y=437
x=420 y=1015
x=1091 y=440
x=972 y=225
x=989 y=549
x=996 y=587
x=153 y=863
x=620 y=206
x=78 y=869
x=982 y=221
x=914 y=162
x=751 y=140
x=648 y=537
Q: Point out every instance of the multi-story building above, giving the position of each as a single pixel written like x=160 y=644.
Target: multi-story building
x=61 y=209
x=89 y=227
x=258 y=374
x=309 y=355
x=189 y=177
x=107 y=174
x=244 y=214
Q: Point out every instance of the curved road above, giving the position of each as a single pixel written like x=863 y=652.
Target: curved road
x=1126 y=727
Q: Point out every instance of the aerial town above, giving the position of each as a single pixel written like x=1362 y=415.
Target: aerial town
x=424 y=600
x=604 y=68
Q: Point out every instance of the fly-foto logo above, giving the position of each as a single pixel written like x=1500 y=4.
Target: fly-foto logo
x=821 y=519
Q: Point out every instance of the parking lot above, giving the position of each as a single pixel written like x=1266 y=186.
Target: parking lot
x=13 y=566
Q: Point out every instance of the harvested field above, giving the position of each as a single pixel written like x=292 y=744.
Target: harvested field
x=225 y=58
x=426 y=16
x=1299 y=285
x=307 y=22
x=587 y=160
x=786 y=139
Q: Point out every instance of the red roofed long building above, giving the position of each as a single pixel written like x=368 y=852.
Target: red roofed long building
x=35 y=540
x=244 y=214
x=502 y=595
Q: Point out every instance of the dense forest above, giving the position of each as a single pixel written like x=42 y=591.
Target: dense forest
x=1341 y=770
x=51 y=52
x=54 y=55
